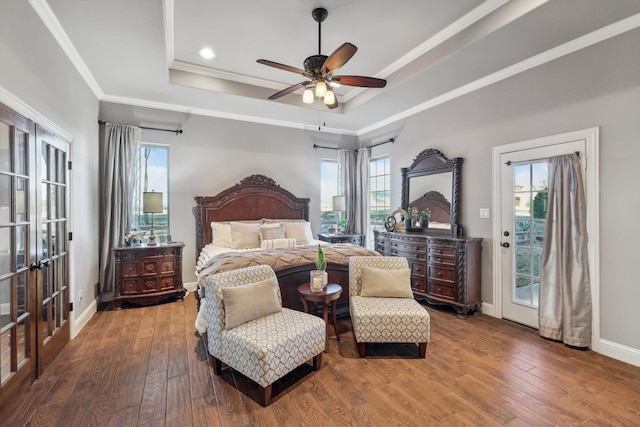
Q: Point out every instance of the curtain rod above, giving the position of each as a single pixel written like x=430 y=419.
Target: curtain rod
x=177 y=131
x=316 y=146
x=508 y=162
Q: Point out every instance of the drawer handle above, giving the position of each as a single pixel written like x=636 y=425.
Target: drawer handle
x=439 y=290
x=439 y=274
x=439 y=251
x=439 y=259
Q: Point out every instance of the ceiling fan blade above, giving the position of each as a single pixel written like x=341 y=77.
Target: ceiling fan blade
x=283 y=67
x=338 y=58
x=359 y=81
x=290 y=89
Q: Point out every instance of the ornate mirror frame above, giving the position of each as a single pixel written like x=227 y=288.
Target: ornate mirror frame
x=430 y=162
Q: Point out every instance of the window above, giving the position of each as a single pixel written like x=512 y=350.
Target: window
x=379 y=195
x=329 y=187
x=152 y=174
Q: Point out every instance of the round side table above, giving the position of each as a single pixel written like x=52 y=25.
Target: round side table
x=328 y=296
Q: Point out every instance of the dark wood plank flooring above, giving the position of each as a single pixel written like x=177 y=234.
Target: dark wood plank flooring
x=147 y=366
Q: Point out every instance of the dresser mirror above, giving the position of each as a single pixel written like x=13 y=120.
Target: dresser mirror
x=433 y=182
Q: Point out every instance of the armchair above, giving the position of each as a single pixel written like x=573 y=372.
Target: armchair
x=385 y=318
x=268 y=347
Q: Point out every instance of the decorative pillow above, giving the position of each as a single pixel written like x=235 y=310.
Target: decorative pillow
x=273 y=221
x=271 y=231
x=301 y=231
x=278 y=243
x=221 y=234
x=245 y=235
x=245 y=303
x=377 y=282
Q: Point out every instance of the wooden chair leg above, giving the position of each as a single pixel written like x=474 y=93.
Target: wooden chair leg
x=217 y=365
x=361 y=350
x=265 y=395
x=317 y=362
x=422 y=349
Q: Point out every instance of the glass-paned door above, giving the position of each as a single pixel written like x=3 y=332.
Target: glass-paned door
x=17 y=284
x=524 y=195
x=52 y=244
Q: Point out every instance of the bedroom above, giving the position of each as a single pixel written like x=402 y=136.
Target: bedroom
x=595 y=86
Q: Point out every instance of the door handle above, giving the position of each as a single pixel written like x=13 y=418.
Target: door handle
x=40 y=265
x=504 y=244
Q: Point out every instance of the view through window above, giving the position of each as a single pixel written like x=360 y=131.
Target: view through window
x=152 y=174
x=329 y=187
x=379 y=195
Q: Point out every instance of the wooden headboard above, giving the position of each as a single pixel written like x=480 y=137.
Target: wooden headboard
x=253 y=198
x=439 y=206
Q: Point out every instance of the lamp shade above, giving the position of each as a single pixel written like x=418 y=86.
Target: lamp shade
x=338 y=203
x=151 y=202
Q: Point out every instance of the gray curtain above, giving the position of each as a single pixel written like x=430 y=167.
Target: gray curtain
x=355 y=181
x=117 y=167
x=565 y=293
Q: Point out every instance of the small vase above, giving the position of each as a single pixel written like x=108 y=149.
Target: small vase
x=325 y=279
x=316 y=280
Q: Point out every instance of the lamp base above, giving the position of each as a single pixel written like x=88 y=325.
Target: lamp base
x=152 y=239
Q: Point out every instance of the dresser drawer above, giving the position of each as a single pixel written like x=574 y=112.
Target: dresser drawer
x=442 y=260
x=167 y=266
x=166 y=283
x=149 y=267
x=418 y=284
x=129 y=286
x=414 y=248
x=446 y=274
x=417 y=269
x=442 y=251
x=438 y=289
x=130 y=269
x=148 y=285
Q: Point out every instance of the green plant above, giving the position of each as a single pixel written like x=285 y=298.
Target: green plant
x=321 y=260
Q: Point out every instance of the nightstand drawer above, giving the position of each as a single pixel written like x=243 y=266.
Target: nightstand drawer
x=129 y=286
x=166 y=283
x=148 y=285
x=149 y=267
x=167 y=266
x=130 y=269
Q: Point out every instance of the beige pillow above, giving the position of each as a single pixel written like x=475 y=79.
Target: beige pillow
x=301 y=231
x=377 y=282
x=245 y=235
x=278 y=243
x=221 y=234
x=245 y=303
x=271 y=231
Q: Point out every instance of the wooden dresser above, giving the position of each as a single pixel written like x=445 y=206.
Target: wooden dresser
x=444 y=270
x=148 y=274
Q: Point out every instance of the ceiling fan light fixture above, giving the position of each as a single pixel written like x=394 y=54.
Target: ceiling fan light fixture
x=307 y=95
x=329 y=98
x=321 y=89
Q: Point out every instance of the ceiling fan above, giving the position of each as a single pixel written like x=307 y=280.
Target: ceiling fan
x=319 y=69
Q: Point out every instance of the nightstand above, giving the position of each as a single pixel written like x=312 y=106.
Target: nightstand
x=148 y=274
x=356 y=239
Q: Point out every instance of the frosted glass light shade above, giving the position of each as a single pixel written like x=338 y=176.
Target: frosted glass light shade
x=338 y=203
x=307 y=96
x=330 y=98
x=321 y=89
x=151 y=202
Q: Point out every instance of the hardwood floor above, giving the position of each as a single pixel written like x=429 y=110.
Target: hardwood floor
x=146 y=366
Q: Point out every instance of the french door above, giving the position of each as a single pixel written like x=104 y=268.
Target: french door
x=524 y=180
x=34 y=295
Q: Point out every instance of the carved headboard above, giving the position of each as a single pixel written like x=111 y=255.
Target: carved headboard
x=439 y=206
x=253 y=198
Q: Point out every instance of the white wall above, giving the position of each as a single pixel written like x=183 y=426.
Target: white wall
x=37 y=77
x=599 y=86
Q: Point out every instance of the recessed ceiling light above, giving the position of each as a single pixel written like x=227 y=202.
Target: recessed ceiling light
x=207 y=53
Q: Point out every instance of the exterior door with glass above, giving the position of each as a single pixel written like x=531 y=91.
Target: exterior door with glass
x=524 y=180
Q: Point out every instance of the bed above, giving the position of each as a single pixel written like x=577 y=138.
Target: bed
x=257 y=199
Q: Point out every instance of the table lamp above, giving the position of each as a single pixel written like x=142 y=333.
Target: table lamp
x=152 y=203
x=338 y=206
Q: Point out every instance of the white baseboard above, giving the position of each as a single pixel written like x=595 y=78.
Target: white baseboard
x=191 y=286
x=619 y=352
x=78 y=322
x=488 y=309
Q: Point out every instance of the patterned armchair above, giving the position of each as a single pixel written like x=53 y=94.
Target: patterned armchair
x=264 y=349
x=385 y=319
